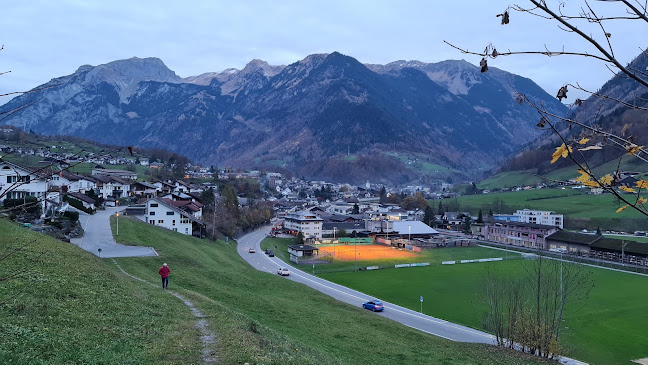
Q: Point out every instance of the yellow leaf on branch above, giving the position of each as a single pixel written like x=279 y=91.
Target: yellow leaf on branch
x=622 y=208
x=583 y=141
x=584 y=176
x=591 y=184
x=641 y=200
x=562 y=151
x=642 y=184
x=606 y=180
x=627 y=189
x=633 y=148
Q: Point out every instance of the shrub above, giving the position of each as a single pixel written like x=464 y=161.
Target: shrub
x=71 y=215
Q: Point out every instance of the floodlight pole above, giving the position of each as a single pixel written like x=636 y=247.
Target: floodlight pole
x=623 y=245
x=117 y=219
x=409 y=227
x=355 y=240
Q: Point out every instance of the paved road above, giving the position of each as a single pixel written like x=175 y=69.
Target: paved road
x=435 y=326
x=98 y=235
x=408 y=317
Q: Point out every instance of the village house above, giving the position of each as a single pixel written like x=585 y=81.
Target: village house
x=309 y=224
x=17 y=182
x=164 y=213
x=517 y=233
x=72 y=182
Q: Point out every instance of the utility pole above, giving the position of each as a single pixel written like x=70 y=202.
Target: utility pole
x=117 y=219
x=624 y=243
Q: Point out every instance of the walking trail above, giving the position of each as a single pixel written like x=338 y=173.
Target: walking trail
x=207 y=337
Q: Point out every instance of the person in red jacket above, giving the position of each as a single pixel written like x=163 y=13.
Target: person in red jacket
x=164 y=273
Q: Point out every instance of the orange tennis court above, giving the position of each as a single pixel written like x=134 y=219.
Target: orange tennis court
x=364 y=252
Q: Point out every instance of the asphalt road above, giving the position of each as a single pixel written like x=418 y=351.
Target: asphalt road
x=408 y=317
x=98 y=235
x=434 y=326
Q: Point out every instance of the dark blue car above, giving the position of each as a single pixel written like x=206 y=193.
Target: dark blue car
x=374 y=306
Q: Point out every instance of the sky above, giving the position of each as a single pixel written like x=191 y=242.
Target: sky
x=47 y=39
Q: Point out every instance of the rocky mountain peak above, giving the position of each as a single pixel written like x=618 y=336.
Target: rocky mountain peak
x=127 y=74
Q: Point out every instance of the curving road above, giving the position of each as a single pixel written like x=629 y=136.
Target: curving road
x=98 y=235
x=408 y=317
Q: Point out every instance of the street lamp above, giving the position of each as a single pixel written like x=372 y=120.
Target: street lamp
x=117 y=219
x=624 y=243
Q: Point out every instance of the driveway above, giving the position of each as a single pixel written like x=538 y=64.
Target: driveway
x=434 y=326
x=98 y=235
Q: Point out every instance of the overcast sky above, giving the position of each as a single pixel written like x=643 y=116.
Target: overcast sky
x=48 y=39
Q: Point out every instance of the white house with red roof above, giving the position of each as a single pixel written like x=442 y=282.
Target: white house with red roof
x=177 y=216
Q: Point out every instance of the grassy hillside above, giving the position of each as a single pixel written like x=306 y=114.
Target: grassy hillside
x=581 y=210
x=263 y=318
x=71 y=307
x=529 y=177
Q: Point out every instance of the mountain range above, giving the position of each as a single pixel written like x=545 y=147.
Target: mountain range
x=327 y=116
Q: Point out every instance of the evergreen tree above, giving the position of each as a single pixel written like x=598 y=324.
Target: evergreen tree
x=480 y=218
x=231 y=200
x=466 y=225
x=429 y=218
x=383 y=195
x=300 y=238
x=207 y=197
x=356 y=209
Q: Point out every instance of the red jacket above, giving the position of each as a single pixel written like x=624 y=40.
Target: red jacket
x=164 y=272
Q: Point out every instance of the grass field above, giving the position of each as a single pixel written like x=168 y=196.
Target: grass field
x=71 y=307
x=609 y=328
x=570 y=202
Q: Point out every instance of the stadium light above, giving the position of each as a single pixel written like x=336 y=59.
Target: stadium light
x=409 y=227
x=117 y=218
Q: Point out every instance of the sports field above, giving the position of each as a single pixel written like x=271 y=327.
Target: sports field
x=607 y=328
x=364 y=252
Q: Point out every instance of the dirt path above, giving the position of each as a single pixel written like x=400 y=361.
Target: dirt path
x=207 y=337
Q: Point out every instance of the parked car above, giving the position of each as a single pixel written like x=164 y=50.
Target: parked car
x=271 y=254
x=283 y=271
x=267 y=251
x=375 y=306
x=251 y=250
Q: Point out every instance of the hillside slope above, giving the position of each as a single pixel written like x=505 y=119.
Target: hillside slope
x=73 y=307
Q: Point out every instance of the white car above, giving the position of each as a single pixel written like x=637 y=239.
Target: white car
x=283 y=271
x=251 y=250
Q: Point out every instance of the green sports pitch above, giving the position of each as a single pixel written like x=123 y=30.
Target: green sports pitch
x=607 y=328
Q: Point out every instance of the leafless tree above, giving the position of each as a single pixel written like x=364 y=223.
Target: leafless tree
x=592 y=27
x=526 y=311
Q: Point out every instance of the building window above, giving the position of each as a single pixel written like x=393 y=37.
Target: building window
x=186 y=230
x=169 y=213
x=154 y=205
x=12 y=179
x=152 y=221
x=173 y=223
x=151 y=213
x=160 y=221
x=175 y=230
